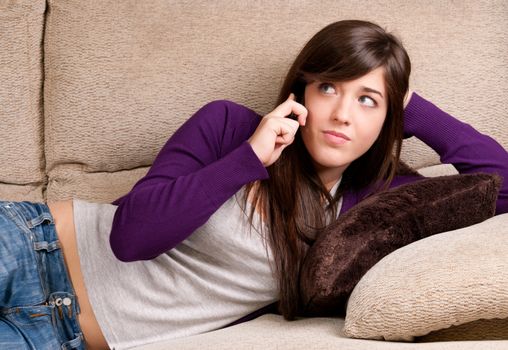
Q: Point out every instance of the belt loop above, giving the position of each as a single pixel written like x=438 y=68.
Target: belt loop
x=45 y=216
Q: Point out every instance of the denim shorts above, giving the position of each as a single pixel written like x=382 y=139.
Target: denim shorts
x=38 y=306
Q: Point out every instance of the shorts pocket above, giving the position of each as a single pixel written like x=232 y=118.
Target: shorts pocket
x=30 y=316
x=35 y=324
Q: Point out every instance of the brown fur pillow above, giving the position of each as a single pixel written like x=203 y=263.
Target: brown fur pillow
x=384 y=222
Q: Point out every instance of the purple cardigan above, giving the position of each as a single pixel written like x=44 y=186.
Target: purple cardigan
x=207 y=160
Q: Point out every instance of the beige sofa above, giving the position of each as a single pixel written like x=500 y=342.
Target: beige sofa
x=90 y=90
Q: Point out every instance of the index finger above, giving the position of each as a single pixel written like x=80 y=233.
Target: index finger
x=293 y=110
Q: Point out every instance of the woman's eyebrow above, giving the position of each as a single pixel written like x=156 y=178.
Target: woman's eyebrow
x=368 y=89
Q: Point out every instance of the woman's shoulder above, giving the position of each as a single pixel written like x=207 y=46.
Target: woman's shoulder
x=223 y=123
x=228 y=112
x=224 y=103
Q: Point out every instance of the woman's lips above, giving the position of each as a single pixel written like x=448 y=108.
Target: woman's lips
x=336 y=138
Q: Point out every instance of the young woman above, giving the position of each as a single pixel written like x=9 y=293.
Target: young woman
x=216 y=232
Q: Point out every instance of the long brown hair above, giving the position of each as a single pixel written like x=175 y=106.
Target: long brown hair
x=291 y=199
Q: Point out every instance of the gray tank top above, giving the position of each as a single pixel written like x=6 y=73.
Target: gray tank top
x=219 y=274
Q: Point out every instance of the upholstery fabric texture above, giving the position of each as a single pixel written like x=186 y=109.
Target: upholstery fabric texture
x=272 y=332
x=444 y=282
x=22 y=175
x=345 y=250
x=121 y=77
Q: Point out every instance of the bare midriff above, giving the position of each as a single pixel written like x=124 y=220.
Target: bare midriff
x=62 y=213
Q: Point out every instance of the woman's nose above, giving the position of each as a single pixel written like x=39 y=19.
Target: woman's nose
x=342 y=112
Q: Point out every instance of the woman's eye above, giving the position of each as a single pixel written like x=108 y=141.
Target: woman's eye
x=367 y=101
x=327 y=88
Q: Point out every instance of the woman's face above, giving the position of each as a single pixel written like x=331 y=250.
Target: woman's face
x=344 y=120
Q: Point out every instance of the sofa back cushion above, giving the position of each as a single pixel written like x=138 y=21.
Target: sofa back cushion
x=122 y=76
x=21 y=134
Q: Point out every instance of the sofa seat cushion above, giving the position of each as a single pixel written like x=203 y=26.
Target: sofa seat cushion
x=272 y=332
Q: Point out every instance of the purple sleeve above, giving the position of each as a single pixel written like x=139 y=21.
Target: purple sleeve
x=456 y=143
x=205 y=162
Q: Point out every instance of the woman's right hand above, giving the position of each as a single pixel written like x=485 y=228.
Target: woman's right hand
x=275 y=132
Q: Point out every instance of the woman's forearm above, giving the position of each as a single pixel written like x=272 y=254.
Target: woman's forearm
x=202 y=165
x=457 y=143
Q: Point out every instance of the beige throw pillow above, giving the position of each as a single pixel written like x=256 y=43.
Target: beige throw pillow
x=442 y=281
